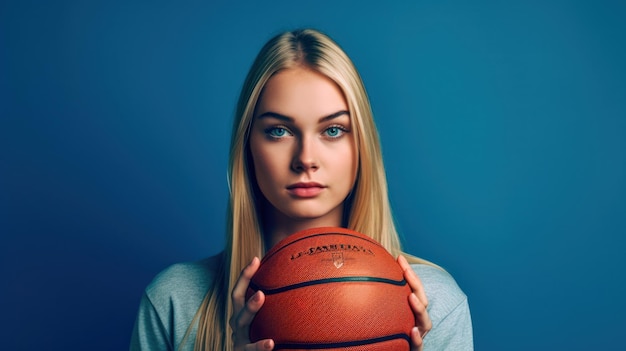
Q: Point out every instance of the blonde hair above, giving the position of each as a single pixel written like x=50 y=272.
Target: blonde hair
x=368 y=209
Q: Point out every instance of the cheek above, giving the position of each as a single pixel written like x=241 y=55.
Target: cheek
x=345 y=162
x=352 y=155
x=261 y=165
x=266 y=165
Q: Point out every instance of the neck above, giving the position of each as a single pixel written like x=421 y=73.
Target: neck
x=277 y=226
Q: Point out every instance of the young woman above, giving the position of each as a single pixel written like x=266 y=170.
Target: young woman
x=304 y=153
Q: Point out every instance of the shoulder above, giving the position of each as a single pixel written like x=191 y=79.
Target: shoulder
x=177 y=292
x=187 y=281
x=443 y=293
x=170 y=302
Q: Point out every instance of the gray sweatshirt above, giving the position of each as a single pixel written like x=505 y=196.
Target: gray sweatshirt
x=171 y=300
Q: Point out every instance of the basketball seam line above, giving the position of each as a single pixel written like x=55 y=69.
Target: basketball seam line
x=308 y=346
x=255 y=287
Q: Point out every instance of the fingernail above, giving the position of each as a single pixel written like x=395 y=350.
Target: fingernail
x=257 y=296
x=267 y=345
x=415 y=331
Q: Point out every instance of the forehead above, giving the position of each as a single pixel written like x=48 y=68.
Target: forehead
x=301 y=93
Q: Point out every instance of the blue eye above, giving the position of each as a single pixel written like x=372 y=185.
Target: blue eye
x=334 y=132
x=276 y=132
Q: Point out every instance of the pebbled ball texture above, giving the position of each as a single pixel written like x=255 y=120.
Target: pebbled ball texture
x=333 y=289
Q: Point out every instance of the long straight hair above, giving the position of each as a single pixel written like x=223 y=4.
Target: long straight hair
x=367 y=207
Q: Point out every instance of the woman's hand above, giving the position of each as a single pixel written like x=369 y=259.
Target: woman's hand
x=244 y=311
x=418 y=302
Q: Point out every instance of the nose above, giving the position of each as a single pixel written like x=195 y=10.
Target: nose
x=305 y=156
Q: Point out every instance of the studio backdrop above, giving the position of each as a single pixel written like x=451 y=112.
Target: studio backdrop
x=503 y=126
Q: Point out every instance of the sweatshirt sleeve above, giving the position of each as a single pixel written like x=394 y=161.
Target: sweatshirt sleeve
x=448 y=309
x=149 y=332
x=453 y=332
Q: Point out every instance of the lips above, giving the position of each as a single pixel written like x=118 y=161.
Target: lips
x=305 y=189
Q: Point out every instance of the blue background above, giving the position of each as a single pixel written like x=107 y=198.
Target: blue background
x=503 y=127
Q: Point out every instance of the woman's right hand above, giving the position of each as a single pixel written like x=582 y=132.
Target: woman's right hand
x=244 y=311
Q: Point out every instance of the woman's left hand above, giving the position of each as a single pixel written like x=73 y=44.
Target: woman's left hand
x=418 y=302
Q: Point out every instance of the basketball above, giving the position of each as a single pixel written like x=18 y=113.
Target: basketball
x=332 y=289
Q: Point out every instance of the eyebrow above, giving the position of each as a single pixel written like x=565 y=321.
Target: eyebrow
x=291 y=119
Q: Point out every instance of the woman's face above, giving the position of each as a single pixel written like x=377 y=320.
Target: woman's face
x=302 y=147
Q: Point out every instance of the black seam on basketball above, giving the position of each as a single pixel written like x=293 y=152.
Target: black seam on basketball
x=321 y=234
x=255 y=287
x=332 y=345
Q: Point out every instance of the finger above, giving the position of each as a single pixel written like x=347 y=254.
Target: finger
x=261 y=345
x=403 y=263
x=240 y=322
x=239 y=291
x=414 y=282
x=417 y=342
x=246 y=315
x=422 y=319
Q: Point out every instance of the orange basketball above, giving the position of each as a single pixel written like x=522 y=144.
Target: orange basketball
x=332 y=289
